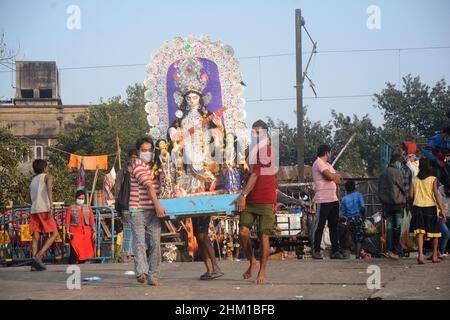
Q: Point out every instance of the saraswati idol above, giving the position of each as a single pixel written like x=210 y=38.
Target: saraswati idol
x=194 y=89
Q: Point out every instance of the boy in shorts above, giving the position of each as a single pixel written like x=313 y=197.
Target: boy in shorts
x=41 y=220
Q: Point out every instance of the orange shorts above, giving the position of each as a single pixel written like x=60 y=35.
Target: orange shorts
x=43 y=223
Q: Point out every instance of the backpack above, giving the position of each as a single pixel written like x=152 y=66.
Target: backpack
x=123 y=194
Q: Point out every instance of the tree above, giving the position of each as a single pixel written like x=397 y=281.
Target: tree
x=95 y=133
x=416 y=111
x=362 y=155
x=7 y=56
x=315 y=135
x=287 y=141
x=14 y=184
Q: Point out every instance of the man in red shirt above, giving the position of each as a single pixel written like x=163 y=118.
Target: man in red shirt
x=258 y=199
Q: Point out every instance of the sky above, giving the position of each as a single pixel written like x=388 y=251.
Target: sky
x=117 y=32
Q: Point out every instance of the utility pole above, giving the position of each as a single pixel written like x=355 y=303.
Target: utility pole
x=299 y=22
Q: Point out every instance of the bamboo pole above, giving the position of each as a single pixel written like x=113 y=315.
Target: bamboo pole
x=118 y=151
x=343 y=149
x=93 y=186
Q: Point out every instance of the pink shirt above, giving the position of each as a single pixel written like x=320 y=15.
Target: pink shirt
x=325 y=190
x=141 y=177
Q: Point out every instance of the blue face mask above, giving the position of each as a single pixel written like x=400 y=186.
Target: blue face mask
x=403 y=157
x=330 y=159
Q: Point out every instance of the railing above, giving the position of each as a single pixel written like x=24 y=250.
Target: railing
x=15 y=238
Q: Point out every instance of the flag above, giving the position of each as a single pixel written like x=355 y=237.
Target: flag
x=81 y=182
x=108 y=184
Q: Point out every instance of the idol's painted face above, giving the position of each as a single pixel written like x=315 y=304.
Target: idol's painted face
x=162 y=145
x=193 y=100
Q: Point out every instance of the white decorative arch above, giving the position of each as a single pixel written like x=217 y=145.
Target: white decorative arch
x=180 y=48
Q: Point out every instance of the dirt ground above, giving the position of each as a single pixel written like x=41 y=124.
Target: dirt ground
x=286 y=280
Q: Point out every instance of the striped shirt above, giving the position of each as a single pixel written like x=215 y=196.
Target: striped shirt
x=407 y=179
x=141 y=177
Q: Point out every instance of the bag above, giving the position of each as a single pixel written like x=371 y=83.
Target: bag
x=123 y=197
x=406 y=241
x=369 y=228
x=404 y=229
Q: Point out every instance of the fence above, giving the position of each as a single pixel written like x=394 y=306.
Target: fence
x=15 y=238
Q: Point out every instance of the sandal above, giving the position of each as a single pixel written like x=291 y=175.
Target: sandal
x=215 y=275
x=205 y=276
x=420 y=261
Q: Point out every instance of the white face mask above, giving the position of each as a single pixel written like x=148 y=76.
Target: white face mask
x=80 y=202
x=146 y=156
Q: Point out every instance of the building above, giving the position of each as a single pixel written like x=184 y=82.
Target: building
x=37 y=113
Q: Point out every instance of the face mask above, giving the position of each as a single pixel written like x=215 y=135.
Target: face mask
x=398 y=165
x=80 y=202
x=330 y=159
x=146 y=156
x=403 y=157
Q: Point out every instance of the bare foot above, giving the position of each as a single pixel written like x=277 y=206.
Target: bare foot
x=421 y=260
x=154 y=282
x=261 y=279
x=253 y=265
x=435 y=259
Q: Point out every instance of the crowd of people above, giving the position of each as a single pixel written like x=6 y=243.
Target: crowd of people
x=410 y=188
x=408 y=184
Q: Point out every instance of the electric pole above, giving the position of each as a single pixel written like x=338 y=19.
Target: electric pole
x=299 y=22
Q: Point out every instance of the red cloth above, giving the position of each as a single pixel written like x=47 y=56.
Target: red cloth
x=265 y=191
x=411 y=147
x=42 y=222
x=82 y=241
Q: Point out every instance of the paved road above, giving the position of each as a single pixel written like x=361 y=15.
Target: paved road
x=287 y=279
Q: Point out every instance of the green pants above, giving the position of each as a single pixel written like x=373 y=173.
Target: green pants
x=266 y=215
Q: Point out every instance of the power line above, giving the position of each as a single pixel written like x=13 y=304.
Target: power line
x=54 y=148
x=106 y=66
x=322 y=97
x=346 y=51
x=265 y=56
